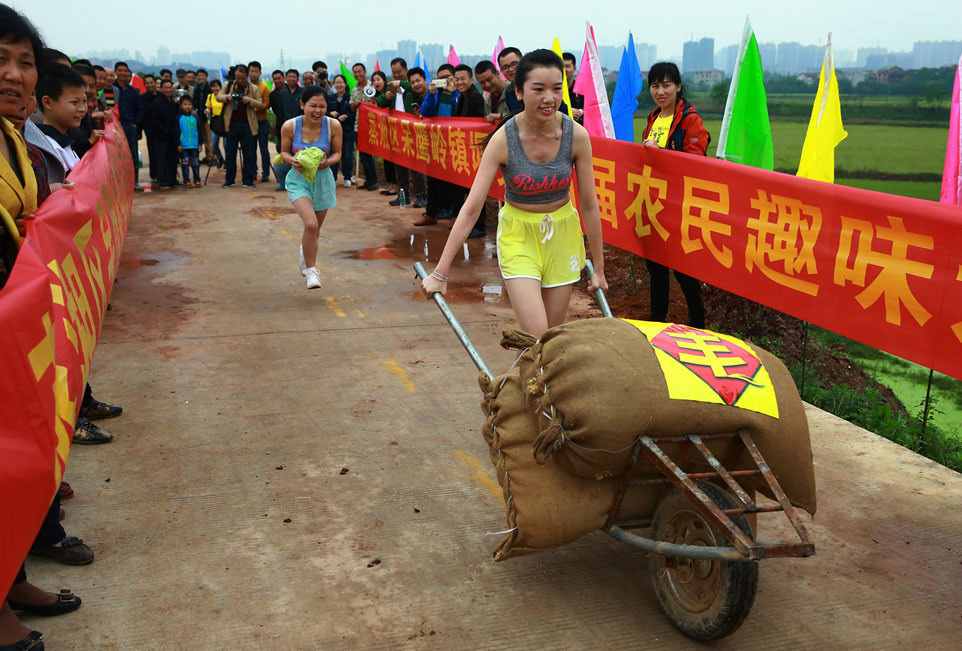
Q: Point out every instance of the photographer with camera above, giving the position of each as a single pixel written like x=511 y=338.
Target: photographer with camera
x=241 y=100
x=439 y=102
x=324 y=80
x=400 y=96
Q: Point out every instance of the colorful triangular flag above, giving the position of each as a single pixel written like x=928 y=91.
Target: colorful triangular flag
x=625 y=101
x=746 y=133
x=825 y=128
x=951 y=181
x=590 y=82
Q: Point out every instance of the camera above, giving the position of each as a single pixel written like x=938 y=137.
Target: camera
x=321 y=75
x=236 y=101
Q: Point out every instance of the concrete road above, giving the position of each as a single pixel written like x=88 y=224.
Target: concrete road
x=303 y=469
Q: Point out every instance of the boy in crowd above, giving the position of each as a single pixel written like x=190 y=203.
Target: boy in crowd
x=91 y=126
x=62 y=98
x=188 y=137
x=165 y=73
x=263 y=125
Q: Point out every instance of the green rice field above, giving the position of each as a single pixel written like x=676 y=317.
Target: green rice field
x=890 y=149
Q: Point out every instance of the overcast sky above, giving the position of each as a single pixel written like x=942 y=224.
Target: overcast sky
x=260 y=28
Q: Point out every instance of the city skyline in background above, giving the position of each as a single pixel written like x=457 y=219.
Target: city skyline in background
x=248 y=29
x=701 y=55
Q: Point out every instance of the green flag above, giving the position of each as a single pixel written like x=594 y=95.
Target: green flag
x=746 y=134
x=351 y=81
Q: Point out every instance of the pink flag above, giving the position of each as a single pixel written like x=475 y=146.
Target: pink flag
x=951 y=182
x=494 y=55
x=453 y=57
x=590 y=82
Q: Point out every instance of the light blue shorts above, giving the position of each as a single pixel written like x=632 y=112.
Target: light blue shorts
x=321 y=192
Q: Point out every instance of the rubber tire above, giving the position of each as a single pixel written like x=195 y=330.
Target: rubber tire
x=738 y=580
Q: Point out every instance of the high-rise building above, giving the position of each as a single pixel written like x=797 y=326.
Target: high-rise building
x=725 y=59
x=384 y=58
x=861 y=57
x=406 y=50
x=647 y=56
x=434 y=54
x=767 y=52
x=698 y=55
x=935 y=54
x=163 y=56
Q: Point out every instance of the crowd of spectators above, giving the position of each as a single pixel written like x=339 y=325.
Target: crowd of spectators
x=56 y=109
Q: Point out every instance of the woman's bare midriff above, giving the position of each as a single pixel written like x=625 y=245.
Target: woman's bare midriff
x=540 y=208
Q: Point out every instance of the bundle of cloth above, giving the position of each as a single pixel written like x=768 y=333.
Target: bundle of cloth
x=561 y=424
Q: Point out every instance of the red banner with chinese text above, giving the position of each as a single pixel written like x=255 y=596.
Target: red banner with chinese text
x=51 y=310
x=878 y=268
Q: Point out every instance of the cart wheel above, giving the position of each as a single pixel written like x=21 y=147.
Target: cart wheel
x=705 y=600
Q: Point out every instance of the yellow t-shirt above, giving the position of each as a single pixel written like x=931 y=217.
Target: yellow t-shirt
x=214 y=106
x=660 y=128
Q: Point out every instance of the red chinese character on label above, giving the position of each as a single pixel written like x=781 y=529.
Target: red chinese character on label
x=726 y=367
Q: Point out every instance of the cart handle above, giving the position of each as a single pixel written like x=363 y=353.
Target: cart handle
x=673 y=550
x=599 y=293
x=456 y=325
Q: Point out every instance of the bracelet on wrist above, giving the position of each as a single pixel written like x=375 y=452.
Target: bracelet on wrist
x=438 y=276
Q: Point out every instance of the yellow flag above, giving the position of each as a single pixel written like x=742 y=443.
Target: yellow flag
x=556 y=48
x=825 y=129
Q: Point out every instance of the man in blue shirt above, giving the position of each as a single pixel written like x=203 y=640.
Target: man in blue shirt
x=439 y=102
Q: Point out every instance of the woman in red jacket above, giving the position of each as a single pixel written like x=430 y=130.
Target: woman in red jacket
x=674 y=124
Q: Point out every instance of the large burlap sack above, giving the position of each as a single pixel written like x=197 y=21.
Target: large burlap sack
x=596 y=385
x=545 y=505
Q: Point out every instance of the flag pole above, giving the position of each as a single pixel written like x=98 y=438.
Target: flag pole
x=732 y=89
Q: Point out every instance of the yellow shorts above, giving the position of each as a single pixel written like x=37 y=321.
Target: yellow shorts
x=546 y=247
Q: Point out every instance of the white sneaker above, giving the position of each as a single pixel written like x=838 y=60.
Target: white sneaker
x=347 y=183
x=303 y=264
x=313 y=278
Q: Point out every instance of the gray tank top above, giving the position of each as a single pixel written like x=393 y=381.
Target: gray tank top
x=527 y=182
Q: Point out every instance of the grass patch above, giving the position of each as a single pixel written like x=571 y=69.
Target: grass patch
x=906 y=379
x=894 y=149
x=917 y=189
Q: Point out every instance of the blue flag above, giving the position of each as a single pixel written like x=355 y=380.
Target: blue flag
x=625 y=101
x=419 y=62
